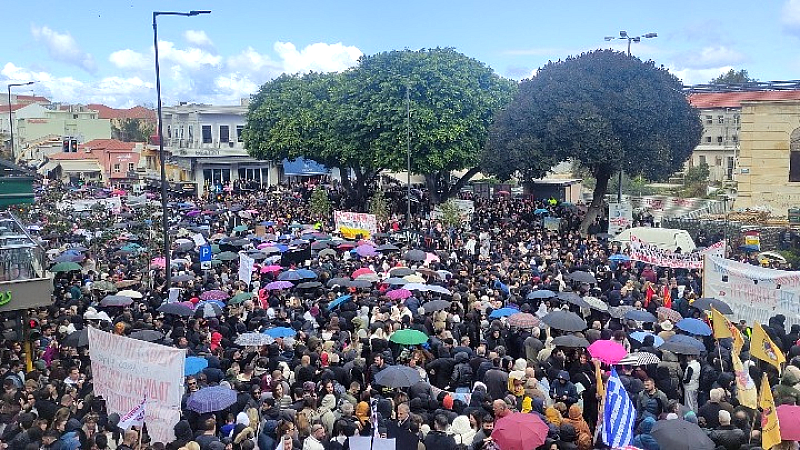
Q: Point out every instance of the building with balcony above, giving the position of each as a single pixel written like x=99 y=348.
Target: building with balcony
x=205 y=142
x=108 y=161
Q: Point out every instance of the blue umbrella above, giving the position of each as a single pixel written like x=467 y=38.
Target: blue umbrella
x=694 y=326
x=210 y=399
x=338 y=301
x=620 y=257
x=307 y=274
x=640 y=315
x=290 y=275
x=194 y=364
x=502 y=312
x=541 y=294
x=681 y=339
x=280 y=332
x=541 y=211
x=640 y=335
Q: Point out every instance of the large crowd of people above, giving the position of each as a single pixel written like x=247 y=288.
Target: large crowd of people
x=478 y=293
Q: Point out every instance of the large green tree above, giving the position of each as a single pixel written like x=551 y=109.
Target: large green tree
x=357 y=120
x=604 y=109
x=733 y=77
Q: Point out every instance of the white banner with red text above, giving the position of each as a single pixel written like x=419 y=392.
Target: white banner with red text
x=644 y=252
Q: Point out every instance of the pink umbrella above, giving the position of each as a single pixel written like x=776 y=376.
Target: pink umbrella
x=788 y=416
x=366 y=242
x=214 y=294
x=607 y=351
x=264 y=245
x=519 y=431
x=159 y=263
x=362 y=271
x=187 y=304
x=272 y=268
x=430 y=257
x=399 y=294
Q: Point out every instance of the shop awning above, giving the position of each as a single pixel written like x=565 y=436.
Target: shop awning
x=80 y=166
x=301 y=167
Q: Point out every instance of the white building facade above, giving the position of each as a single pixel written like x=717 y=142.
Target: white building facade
x=206 y=142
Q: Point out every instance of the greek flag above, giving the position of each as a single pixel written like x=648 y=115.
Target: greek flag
x=619 y=414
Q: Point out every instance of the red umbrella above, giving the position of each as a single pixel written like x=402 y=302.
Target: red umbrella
x=519 y=431
x=362 y=271
x=788 y=416
x=607 y=351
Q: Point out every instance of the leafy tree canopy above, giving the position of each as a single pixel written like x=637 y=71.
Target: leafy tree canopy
x=733 y=77
x=604 y=109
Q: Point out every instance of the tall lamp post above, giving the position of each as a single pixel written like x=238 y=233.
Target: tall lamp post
x=408 y=158
x=624 y=36
x=10 y=116
x=164 y=217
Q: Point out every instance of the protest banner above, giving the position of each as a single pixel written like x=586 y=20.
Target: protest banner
x=352 y=224
x=126 y=370
x=620 y=217
x=465 y=210
x=644 y=252
x=753 y=293
x=246 y=266
x=552 y=223
x=112 y=203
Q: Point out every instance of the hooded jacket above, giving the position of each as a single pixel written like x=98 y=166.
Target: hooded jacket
x=785 y=393
x=462 y=432
x=559 y=390
x=644 y=439
x=575 y=418
x=567 y=437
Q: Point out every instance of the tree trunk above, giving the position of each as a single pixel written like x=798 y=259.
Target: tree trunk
x=600 y=188
x=432 y=183
x=453 y=191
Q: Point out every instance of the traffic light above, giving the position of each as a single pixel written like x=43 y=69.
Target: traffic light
x=11 y=331
x=34 y=329
x=65 y=146
x=73 y=145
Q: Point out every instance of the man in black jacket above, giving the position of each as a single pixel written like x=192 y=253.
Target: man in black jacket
x=437 y=438
x=726 y=435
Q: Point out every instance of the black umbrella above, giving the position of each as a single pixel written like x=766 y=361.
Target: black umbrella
x=397 y=377
x=582 y=277
x=541 y=294
x=116 y=300
x=564 y=320
x=679 y=348
x=185 y=246
x=208 y=309
x=414 y=255
x=181 y=278
x=387 y=248
x=359 y=284
x=618 y=312
x=401 y=272
x=345 y=282
x=319 y=245
x=706 y=303
x=640 y=315
x=176 y=309
x=309 y=285
x=681 y=435
x=574 y=298
x=570 y=341
x=77 y=339
x=147 y=335
x=435 y=305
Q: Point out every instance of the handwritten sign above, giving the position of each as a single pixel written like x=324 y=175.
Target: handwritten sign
x=651 y=254
x=352 y=224
x=126 y=370
x=620 y=217
x=753 y=293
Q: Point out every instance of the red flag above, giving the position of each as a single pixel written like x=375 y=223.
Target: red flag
x=648 y=295
x=667 y=297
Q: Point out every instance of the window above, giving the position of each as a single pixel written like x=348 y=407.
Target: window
x=180 y=132
x=224 y=133
x=191 y=133
x=169 y=132
x=729 y=168
x=703 y=160
x=708 y=139
x=206 y=134
x=718 y=161
x=719 y=140
x=735 y=138
x=709 y=119
x=116 y=168
x=239 y=129
x=721 y=119
x=130 y=167
x=794 y=156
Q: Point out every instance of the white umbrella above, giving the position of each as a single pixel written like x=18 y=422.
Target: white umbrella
x=130 y=293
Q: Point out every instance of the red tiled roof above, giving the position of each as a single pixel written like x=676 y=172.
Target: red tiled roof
x=137 y=112
x=28 y=99
x=4 y=108
x=107 y=144
x=80 y=155
x=705 y=100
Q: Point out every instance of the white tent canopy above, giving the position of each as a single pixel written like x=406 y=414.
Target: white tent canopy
x=663 y=238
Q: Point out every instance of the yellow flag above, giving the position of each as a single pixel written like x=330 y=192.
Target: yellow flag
x=762 y=347
x=746 y=390
x=770 y=428
x=721 y=325
x=601 y=390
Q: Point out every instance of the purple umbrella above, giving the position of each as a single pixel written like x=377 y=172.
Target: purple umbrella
x=210 y=399
x=366 y=250
x=214 y=294
x=278 y=285
x=193 y=213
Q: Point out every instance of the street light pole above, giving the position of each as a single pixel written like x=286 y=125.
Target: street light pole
x=624 y=35
x=164 y=217
x=10 y=116
x=408 y=158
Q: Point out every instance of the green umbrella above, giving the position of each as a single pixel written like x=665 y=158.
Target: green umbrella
x=227 y=256
x=409 y=337
x=215 y=248
x=239 y=298
x=104 y=285
x=240 y=228
x=66 y=267
x=216 y=262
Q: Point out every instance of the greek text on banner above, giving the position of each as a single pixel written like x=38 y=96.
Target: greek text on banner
x=126 y=370
x=351 y=224
x=642 y=251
